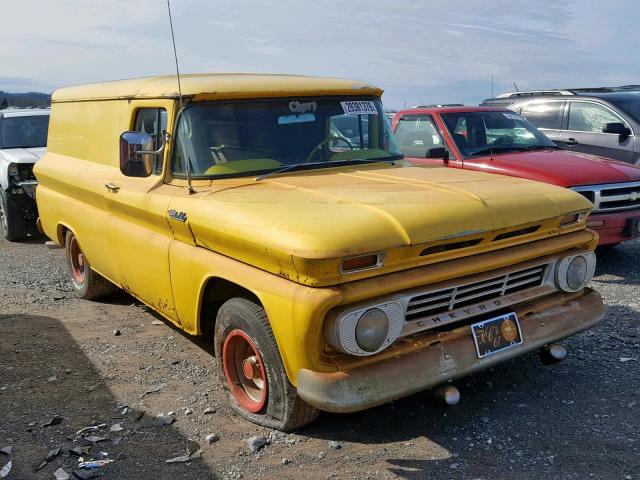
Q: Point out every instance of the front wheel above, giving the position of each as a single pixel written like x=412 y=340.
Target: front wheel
x=13 y=225
x=247 y=357
x=87 y=283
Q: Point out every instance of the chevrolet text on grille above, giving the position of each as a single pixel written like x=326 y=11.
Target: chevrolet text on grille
x=431 y=309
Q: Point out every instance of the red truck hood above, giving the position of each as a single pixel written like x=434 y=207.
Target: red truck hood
x=559 y=167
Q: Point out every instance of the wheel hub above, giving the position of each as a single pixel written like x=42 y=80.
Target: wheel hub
x=250 y=368
x=76 y=258
x=244 y=371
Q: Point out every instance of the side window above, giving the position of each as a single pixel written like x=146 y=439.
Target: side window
x=416 y=135
x=544 y=115
x=590 y=117
x=154 y=122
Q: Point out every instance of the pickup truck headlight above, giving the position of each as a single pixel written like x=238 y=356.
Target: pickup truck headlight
x=365 y=330
x=372 y=330
x=574 y=272
x=12 y=170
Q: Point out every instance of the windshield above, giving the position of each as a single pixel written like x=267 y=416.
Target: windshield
x=250 y=138
x=24 y=131
x=632 y=108
x=481 y=133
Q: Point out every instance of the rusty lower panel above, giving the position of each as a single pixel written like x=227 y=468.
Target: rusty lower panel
x=378 y=383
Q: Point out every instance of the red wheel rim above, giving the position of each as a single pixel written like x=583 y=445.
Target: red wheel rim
x=244 y=370
x=77 y=260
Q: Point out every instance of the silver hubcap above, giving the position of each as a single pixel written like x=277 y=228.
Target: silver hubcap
x=3 y=217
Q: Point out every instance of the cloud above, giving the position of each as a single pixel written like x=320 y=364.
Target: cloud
x=418 y=52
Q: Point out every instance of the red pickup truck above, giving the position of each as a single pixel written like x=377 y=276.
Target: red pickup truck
x=501 y=141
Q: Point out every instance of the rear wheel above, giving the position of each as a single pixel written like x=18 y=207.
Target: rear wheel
x=248 y=360
x=87 y=283
x=13 y=225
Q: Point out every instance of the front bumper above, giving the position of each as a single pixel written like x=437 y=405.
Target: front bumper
x=453 y=356
x=28 y=187
x=611 y=227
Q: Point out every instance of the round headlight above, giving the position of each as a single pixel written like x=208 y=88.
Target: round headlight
x=574 y=272
x=372 y=330
x=577 y=273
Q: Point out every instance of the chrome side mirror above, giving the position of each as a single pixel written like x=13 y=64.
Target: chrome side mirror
x=136 y=154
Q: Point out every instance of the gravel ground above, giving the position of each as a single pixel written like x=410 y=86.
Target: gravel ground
x=60 y=361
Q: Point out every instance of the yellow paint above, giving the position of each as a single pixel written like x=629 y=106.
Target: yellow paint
x=217 y=86
x=282 y=238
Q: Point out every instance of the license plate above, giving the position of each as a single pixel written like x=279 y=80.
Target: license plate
x=496 y=334
x=632 y=229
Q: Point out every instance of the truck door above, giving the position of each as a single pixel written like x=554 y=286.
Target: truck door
x=139 y=235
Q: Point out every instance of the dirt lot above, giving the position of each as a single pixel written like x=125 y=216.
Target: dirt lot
x=59 y=357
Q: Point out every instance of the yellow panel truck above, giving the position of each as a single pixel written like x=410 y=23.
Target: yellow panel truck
x=275 y=215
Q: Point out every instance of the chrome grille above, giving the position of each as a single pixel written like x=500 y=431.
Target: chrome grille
x=612 y=197
x=440 y=301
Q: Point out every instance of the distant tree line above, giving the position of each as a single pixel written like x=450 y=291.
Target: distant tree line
x=24 y=100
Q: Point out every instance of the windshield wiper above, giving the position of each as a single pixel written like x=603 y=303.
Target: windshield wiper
x=540 y=147
x=340 y=163
x=510 y=148
x=497 y=148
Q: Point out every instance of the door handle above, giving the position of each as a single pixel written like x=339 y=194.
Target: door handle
x=571 y=141
x=112 y=187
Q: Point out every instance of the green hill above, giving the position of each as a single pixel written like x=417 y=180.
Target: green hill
x=29 y=99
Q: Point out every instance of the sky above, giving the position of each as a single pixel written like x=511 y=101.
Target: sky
x=418 y=51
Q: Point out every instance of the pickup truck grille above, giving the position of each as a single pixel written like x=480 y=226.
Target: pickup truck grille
x=612 y=197
x=441 y=301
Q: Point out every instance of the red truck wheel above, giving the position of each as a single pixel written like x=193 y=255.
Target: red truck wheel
x=244 y=371
x=87 y=283
x=251 y=368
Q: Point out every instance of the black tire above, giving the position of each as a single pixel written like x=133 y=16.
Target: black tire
x=283 y=409
x=13 y=225
x=87 y=283
x=606 y=249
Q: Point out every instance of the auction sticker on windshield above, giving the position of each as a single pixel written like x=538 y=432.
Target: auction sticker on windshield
x=359 y=107
x=496 y=334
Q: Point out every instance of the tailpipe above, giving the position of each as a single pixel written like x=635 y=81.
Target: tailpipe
x=552 y=354
x=447 y=395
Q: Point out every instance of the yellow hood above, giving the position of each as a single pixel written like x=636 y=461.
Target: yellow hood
x=301 y=225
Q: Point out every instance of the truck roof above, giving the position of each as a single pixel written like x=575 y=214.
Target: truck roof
x=24 y=112
x=209 y=86
x=460 y=109
x=626 y=92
